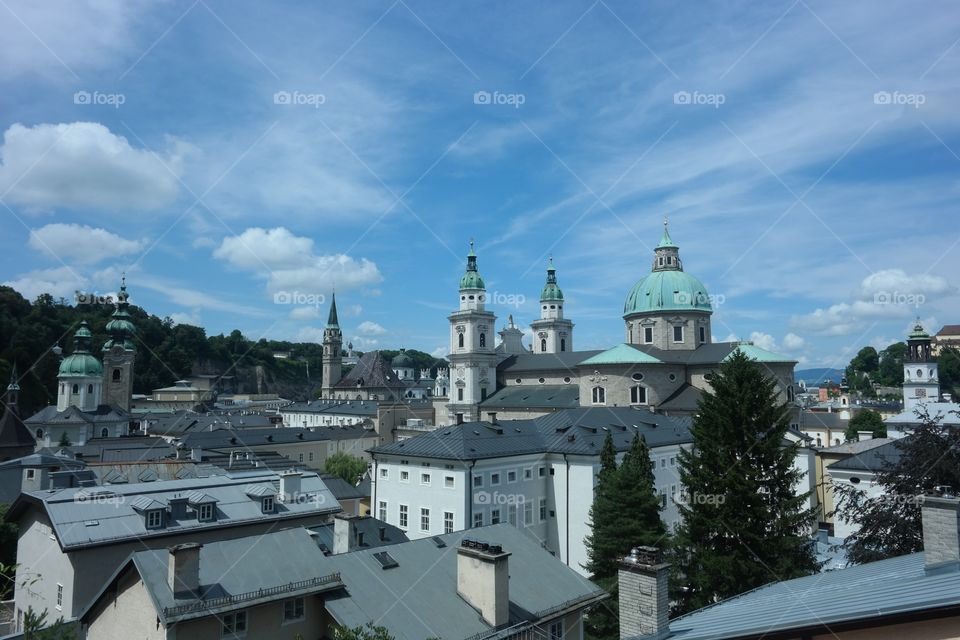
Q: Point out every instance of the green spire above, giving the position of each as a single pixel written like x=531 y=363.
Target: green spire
x=919 y=333
x=121 y=327
x=332 y=320
x=550 y=290
x=665 y=240
x=471 y=278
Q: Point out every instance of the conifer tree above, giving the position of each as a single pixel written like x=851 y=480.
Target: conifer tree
x=625 y=514
x=743 y=523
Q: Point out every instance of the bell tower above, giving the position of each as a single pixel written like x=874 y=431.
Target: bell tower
x=473 y=360
x=921 y=381
x=332 y=351
x=119 y=354
x=552 y=333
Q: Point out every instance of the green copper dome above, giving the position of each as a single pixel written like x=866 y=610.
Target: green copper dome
x=402 y=361
x=551 y=291
x=667 y=291
x=471 y=278
x=81 y=363
x=120 y=327
x=919 y=333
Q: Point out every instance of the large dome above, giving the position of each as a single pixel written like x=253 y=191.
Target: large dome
x=82 y=365
x=667 y=291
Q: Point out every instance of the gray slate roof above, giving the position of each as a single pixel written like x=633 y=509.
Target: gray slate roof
x=534 y=397
x=872 y=460
x=573 y=431
x=372 y=372
x=72 y=415
x=523 y=362
x=13 y=433
x=360 y=408
x=862 y=592
x=180 y=422
x=272 y=436
x=83 y=517
x=368 y=526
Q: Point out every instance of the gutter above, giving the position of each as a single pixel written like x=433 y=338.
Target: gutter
x=566 y=461
x=469 y=523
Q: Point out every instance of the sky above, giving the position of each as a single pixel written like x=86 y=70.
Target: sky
x=240 y=160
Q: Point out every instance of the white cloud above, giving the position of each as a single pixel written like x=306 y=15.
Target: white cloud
x=192 y=318
x=194 y=299
x=305 y=313
x=440 y=352
x=369 y=328
x=763 y=340
x=62 y=282
x=84 y=165
x=792 y=341
x=80 y=244
x=310 y=334
x=364 y=344
x=287 y=263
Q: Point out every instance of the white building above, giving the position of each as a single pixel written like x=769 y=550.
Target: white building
x=535 y=474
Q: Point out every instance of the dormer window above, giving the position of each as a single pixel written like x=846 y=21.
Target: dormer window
x=267 y=504
x=205 y=513
x=155 y=519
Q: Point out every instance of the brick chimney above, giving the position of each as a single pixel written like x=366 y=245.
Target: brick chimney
x=345 y=537
x=183 y=570
x=644 y=602
x=483 y=580
x=941 y=531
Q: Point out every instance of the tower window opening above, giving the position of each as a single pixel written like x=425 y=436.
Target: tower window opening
x=460 y=341
x=483 y=340
x=116 y=375
x=563 y=344
x=543 y=345
x=76 y=388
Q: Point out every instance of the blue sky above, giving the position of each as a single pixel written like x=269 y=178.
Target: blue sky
x=229 y=155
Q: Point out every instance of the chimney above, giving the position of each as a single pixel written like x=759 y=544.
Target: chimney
x=178 y=507
x=644 y=603
x=344 y=533
x=290 y=486
x=183 y=570
x=483 y=580
x=196 y=454
x=383 y=533
x=941 y=534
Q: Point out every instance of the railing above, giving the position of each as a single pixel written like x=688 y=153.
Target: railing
x=214 y=603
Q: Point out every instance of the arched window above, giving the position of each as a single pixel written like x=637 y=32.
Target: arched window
x=638 y=394
x=89 y=388
x=39 y=434
x=563 y=344
x=76 y=388
x=543 y=345
x=104 y=433
x=483 y=340
x=460 y=341
x=599 y=395
x=116 y=375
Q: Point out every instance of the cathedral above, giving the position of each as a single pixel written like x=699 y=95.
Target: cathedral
x=664 y=363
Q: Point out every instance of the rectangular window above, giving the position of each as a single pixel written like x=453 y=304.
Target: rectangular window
x=403 y=516
x=528 y=473
x=638 y=394
x=425 y=479
x=556 y=631
x=154 y=519
x=205 y=513
x=301 y=457
x=678 y=333
x=511 y=476
x=663 y=463
x=234 y=624
x=512 y=514
x=384 y=472
x=404 y=476
x=478 y=480
x=494 y=479
x=448 y=522
x=460 y=395
x=31 y=474
x=527 y=513
x=268 y=504
x=382 y=514
x=543 y=509
x=59 y=596
x=542 y=471
x=495 y=515
x=703 y=335
x=293 y=609
x=648 y=335
x=424 y=519
x=310 y=456
x=448 y=482
x=478 y=519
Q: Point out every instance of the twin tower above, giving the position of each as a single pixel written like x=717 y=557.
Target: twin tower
x=473 y=353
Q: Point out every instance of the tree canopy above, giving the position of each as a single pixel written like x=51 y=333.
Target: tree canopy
x=866 y=420
x=346 y=466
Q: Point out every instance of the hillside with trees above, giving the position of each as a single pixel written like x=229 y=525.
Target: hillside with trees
x=166 y=351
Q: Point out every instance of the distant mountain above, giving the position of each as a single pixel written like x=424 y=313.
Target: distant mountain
x=814 y=377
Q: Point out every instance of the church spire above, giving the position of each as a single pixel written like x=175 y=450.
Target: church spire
x=332 y=318
x=13 y=389
x=667 y=254
x=121 y=327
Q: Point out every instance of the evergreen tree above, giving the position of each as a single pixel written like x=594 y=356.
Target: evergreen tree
x=890 y=525
x=625 y=514
x=865 y=420
x=743 y=524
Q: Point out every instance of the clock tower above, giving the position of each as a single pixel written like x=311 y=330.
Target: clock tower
x=921 y=382
x=473 y=361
